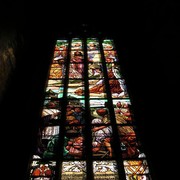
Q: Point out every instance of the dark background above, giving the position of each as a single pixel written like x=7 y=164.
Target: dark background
x=147 y=35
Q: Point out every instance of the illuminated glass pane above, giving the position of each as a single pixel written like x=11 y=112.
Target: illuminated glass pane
x=39 y=170
x=76 y=102
x=123 y=117
x=50 y=116
x=122 y=109
x=48 y=140
x=100 y=113
x=138 y=177
x=114 y=69
x=59 y=57
x=92 y=44
x=110 y=56
x=76 y=44
x=75 y=170
x=77 y=56
x=57 y=71
x=51 y=112
x=75 y=114
x=74 y=146
x=76 y=70
x=61 y=45
x=97 y=88
x=101 y=147
x=136 y=167
x=101 y=139
x=53 y=92
x=49 y=131
x=94 y=56
x=65 y=104
x=130 y=146
x=101 y=132
x=47 y=148
x=121 y=103
x=75 y=88
x=108 y=45
x=105 y=170
x=126 y=130
x=51 y=104
x=117 y=86
x=98 y=102
x=74 y=130
x=95 y=70
x=54 y=83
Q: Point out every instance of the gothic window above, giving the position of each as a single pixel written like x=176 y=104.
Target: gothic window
x=87 y=127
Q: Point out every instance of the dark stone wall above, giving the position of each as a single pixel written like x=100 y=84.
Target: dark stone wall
x=8 y=56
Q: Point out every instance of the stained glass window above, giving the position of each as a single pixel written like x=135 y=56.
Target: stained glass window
x=87 y=127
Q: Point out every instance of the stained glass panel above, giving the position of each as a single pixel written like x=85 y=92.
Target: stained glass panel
x=86 y=125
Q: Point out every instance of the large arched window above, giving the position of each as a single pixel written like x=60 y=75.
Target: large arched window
x=87 y=128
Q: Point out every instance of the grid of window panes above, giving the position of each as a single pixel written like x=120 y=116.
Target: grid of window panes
x=87 y=128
